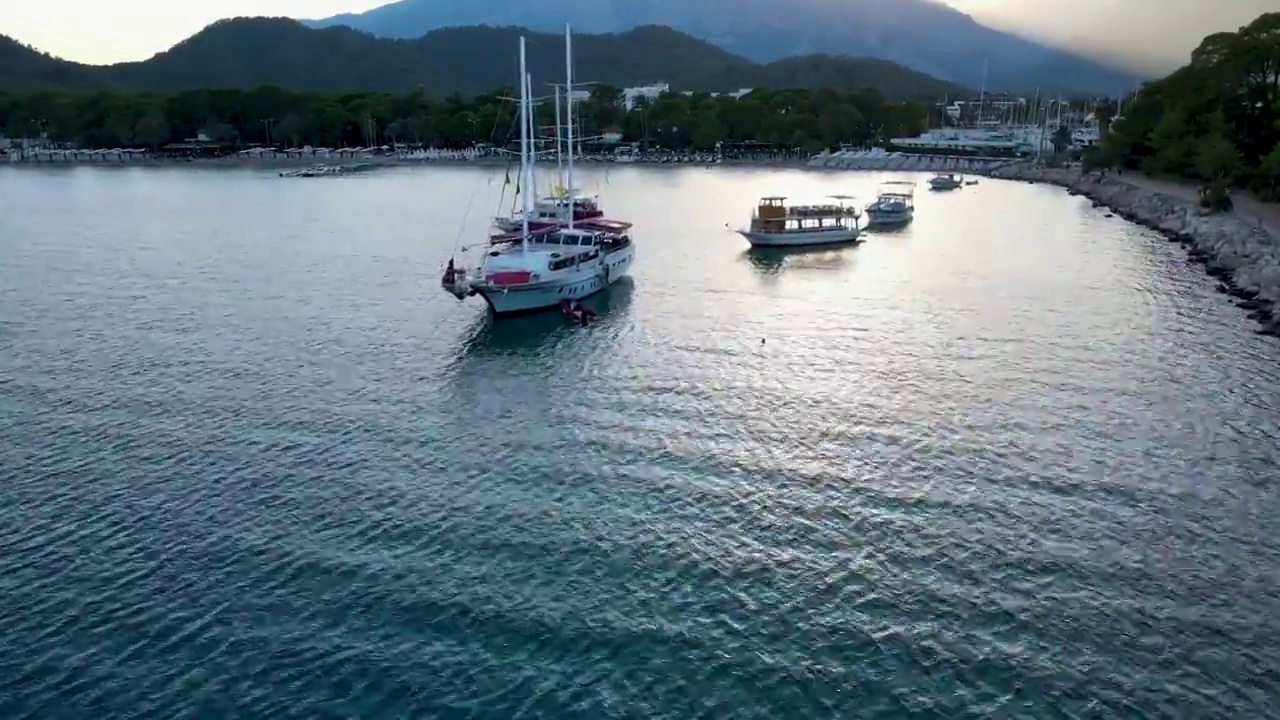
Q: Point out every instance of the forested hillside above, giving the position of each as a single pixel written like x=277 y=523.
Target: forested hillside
x=928 y=36
x=246 y=53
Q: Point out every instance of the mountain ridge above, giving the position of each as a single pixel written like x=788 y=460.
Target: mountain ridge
x=249 y=52
x=924 y=35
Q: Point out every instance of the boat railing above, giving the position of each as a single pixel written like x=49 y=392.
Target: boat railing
x=536 y=230
x=811 y=212
x=818 y=211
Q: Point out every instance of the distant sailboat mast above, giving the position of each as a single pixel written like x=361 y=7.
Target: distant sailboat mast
x=559 y=144
x=568 y=96
x=982 y=98
x=526 y=172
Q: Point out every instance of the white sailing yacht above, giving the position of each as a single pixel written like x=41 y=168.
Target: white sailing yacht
x=534 y=268
x=554 y=210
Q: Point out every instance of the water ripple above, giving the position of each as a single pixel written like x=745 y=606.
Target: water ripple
x=257 y=465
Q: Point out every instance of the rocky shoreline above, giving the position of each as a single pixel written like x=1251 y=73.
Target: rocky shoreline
x=1237 y=250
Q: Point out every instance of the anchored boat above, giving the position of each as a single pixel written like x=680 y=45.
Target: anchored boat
x=776 y=224
x=894 y=206
x=946 y=181
x=538 y=267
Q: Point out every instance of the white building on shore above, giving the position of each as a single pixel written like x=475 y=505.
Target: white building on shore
x=648 y=92
x=736 y=94
x=631 y=95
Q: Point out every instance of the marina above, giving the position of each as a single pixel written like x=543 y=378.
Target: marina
x=880 y=159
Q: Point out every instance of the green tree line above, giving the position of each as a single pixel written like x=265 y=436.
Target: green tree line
x=273 y=116
x=1215 y=120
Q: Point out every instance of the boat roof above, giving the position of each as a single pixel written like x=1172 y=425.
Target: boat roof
x=898 y=188
x=516 y=235
x=602 y=225
x=578 y=230
x=773 y=197
x=842 y=197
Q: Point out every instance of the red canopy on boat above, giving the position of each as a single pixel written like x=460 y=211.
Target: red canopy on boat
x=510 y=277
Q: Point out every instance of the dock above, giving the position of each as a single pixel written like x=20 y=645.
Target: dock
x=881 y=159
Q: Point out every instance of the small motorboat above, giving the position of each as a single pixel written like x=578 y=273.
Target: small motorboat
x=946 y=181
x=576 y=311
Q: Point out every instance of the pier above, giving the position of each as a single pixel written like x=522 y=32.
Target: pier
x=881 y=159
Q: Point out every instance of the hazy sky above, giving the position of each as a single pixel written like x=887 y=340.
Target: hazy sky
x=1153 y=35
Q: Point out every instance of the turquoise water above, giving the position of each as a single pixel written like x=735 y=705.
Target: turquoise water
x=1017 y=460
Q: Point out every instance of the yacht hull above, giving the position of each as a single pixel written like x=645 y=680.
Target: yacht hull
x=801 y=239
x=583 y=284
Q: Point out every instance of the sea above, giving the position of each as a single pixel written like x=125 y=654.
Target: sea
x=1016 y=460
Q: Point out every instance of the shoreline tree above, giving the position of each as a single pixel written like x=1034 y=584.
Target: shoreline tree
x=789 y=117
x=1216 y=120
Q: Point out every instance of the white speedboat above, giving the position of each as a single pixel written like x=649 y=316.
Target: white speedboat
x=894 y=205
x=946 y=181
x=776 y=224
x=538 y=267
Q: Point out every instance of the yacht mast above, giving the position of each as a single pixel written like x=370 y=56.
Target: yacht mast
x=982 y=98
x=526 y=174
x=568 y=96
x=559 y=144
x=532 y=120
